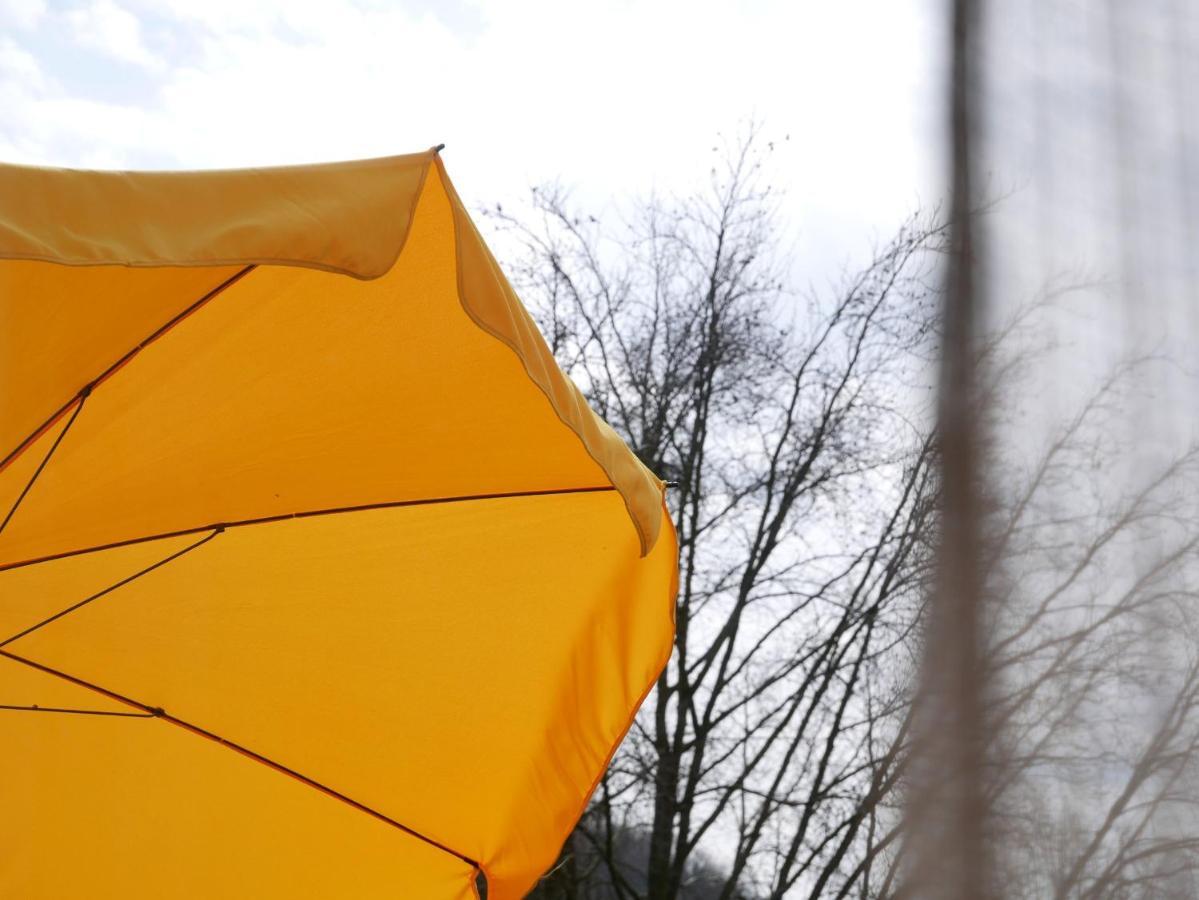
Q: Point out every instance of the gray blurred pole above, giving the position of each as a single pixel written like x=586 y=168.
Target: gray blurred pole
x=956 y=629
x=946 y=811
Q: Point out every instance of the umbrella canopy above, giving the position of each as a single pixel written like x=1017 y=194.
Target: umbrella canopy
x=318 y=577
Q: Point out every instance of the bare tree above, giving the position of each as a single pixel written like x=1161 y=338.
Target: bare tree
x=796 y=434
x=773 y=758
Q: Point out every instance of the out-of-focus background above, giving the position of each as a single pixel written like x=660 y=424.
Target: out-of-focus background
x=902 y=294
x=1070 y=764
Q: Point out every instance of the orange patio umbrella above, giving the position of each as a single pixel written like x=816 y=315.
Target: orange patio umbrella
x=318 y=578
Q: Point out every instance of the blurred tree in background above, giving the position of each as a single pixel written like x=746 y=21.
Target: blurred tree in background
x=773 y=759
x=794 y=429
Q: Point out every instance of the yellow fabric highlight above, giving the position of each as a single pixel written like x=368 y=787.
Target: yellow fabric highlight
x=345 y=217
x=491 y=302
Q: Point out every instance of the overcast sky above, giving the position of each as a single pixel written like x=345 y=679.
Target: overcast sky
x=614 y=98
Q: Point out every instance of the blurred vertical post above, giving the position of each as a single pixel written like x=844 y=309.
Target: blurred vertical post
x=946 y=810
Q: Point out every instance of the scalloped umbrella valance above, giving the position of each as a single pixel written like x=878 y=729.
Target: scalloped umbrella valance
x=318 y=577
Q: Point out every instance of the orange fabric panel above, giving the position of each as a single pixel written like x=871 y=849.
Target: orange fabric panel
x=19 y=472
x=61 y=328
x=297 y=390
x=66 y=325
x=443 y=584
x=33 y=593
x=463 y=668
x=21 y=685
x=109 y=808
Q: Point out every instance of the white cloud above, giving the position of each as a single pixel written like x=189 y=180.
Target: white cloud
x=110 y=29
x=18 y=66
x=23 y=14
x=614 y=96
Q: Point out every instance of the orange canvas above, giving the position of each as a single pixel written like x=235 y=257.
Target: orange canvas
x=318 y=577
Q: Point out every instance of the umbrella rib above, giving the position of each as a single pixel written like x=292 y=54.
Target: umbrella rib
x=79 y=401
x=307 y=514
x=77 y=712
x=159 y=713
x=87 y=388
x=112 y=587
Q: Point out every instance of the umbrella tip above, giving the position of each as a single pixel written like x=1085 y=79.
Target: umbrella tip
x=439 y=148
